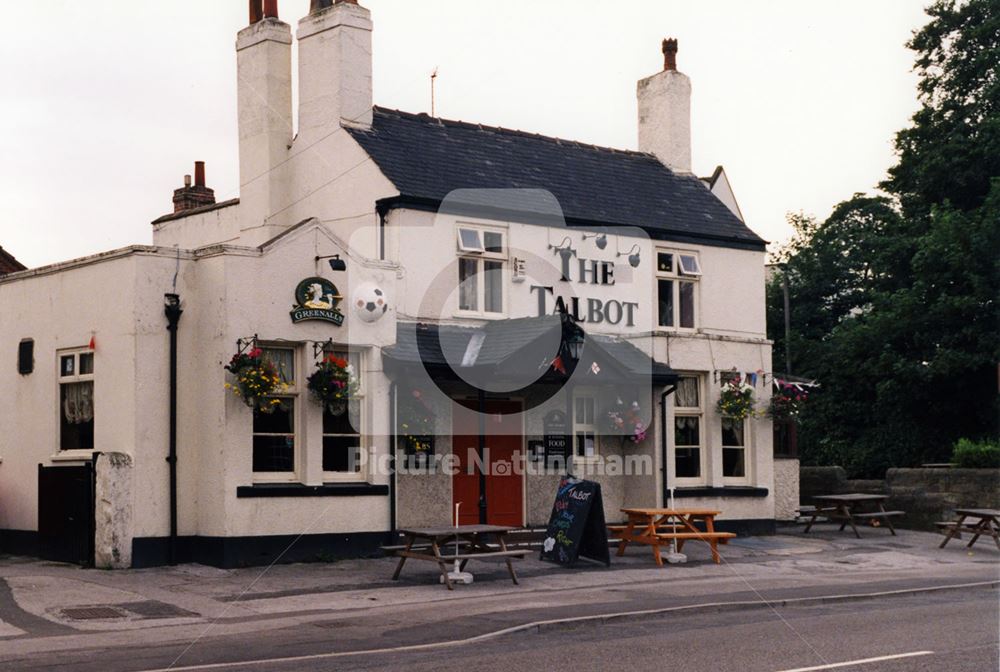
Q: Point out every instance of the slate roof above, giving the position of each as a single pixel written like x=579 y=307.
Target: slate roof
x=427 y=158
x=8 y=264
x=520 y=343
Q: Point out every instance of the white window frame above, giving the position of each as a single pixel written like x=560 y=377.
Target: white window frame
x=676 y=275
x=690 y=412
x=593 y=427
x=481 y=257
x=363 y=436
x=75 y=377
x=298 y=436
x=745 y=478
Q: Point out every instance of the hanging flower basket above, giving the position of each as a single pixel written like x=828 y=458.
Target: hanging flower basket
x=255 y=378
x=787 y=401
x=416 y=424
x=736 y=400
x=627 y=422
x=333 y=384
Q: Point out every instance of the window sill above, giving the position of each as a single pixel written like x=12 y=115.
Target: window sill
x=73 y=456
x=300 y=490
x=725 y=491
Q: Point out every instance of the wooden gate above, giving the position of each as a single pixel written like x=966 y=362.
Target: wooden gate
x=66 y=514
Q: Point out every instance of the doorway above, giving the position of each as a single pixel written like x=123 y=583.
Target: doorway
x=504 y=476
x=66 y=514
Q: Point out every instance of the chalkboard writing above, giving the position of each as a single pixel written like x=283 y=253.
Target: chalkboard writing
x=576 y=528
x=556 y=432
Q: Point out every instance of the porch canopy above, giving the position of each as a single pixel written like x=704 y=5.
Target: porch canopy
x=520 y=352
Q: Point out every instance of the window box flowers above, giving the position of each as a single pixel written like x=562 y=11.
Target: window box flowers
x=736 y=400
x=333 y=383
x=255 y=378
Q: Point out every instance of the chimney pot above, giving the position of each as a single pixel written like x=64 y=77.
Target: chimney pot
x=188 y=197
x=256 y=11
x=670 y=54
x=270 y=9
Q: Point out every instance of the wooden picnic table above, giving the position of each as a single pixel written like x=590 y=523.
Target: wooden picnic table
x=987 y=525
x=659 y=527
x=437 y=544
x=844 y=508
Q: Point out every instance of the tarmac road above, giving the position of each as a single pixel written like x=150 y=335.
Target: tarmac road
x=948 y=630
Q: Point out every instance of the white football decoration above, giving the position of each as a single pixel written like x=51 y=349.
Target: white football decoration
x=369 y=302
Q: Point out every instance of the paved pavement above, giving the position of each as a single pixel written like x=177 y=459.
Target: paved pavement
x=57 y=615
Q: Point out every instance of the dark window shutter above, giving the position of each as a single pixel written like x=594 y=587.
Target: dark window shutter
x=26 y=356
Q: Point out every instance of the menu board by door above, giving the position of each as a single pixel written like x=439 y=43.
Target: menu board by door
x=556 y=433
x=576 y=527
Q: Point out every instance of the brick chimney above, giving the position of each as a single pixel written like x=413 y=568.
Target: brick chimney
x=188 y=196
x=335 y=68
x=665 y=113
x=264 y=108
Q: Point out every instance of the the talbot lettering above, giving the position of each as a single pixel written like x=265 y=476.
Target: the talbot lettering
x=580 y=496
x=594 y=311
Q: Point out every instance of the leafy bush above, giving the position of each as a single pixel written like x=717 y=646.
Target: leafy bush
x=976 y=455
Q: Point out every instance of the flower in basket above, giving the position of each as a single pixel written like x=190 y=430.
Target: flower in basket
x=627 y=421
x=255 y=378
x=333 y=383
x=787 y=401
x=736 y=400
x=416 y=422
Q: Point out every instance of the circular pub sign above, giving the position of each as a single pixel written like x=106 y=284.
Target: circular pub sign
x=317 y=299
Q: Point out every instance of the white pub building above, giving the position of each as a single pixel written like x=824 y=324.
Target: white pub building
x=511 y=306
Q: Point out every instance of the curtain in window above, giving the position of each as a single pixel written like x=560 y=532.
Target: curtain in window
x=686 y=394
x=285 y=361
x=78 y=402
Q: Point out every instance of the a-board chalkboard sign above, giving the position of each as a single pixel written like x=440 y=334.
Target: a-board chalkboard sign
x=555 y=443
x=576 y=527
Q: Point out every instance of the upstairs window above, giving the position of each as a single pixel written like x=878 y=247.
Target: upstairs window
x=481 y=262
x=677 y=276
x=76 y=400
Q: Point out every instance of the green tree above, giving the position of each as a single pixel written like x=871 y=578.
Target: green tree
x=895 y=300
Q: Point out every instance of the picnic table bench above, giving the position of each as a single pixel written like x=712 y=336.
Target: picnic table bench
x=659 y=527
x=434 y=543
x=987 y=524
x=843 y=508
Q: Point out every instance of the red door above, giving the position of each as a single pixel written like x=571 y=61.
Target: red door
x=504 y=481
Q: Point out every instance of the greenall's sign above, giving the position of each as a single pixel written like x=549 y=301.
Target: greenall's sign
x=317 y=299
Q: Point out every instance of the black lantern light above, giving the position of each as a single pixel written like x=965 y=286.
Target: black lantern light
x=572 y=337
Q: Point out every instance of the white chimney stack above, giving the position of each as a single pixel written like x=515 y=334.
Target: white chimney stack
x=665 y=113
x=335 y=68
x=264 y=105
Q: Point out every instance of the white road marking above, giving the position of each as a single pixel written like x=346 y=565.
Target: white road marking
x=863 y=661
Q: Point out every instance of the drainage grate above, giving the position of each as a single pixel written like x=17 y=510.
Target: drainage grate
x=91 y=613
x=155 y=609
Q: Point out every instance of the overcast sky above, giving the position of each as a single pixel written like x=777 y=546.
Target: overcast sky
x=106 y=104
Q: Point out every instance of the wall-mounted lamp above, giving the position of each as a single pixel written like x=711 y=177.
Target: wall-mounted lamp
x=336 y=263
x=565 y=249
x=601 y=239
x=572 y=337
x=633 y=256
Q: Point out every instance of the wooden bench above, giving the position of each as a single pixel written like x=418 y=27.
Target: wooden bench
x=713 y=539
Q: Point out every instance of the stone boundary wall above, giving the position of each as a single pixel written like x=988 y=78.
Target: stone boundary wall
x=928 y=495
